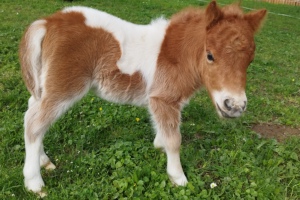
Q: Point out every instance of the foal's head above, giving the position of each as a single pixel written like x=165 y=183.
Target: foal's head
x=229 y=49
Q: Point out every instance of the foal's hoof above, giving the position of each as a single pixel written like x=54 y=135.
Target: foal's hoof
x=37 y=190
x=35 y=185
x=50 y=166
x=179 y=181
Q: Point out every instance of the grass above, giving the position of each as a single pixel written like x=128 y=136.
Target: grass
x=105 y=151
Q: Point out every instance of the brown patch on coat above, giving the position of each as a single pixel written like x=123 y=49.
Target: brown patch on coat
x=76 y=57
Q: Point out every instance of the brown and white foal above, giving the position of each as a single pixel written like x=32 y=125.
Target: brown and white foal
x=159 y=65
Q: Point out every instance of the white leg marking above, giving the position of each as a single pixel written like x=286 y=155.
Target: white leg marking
x=33 y=179
x=33 y=136
x=36 y=122
x=166 y=120
x=174 y=169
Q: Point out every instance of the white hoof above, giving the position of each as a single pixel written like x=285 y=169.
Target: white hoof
x=49 y=166
x=179 y=180
x=35 y=184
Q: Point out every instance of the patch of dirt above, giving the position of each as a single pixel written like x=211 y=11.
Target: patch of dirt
x=278 y=132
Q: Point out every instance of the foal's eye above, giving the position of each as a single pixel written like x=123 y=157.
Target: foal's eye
x=210 y=57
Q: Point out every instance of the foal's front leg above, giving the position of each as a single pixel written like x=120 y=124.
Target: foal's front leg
x=166 y=117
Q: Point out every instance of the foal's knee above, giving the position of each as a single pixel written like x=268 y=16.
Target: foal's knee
x=168 y=142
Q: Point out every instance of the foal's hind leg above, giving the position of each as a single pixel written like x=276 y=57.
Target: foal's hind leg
x=40 y=115
x=44 y=159
x=166 y=119
x=35 y=126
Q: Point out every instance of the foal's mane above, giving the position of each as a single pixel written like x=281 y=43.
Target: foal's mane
x=192 y=14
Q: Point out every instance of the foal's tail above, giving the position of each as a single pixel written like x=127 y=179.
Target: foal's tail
x=30 y=57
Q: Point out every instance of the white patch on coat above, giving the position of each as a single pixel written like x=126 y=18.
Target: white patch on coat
x=140 y=44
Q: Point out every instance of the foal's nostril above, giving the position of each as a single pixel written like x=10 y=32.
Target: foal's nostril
x=228 y=104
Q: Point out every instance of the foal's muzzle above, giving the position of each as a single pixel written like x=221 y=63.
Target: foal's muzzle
x=229 y=105
x=231 y=109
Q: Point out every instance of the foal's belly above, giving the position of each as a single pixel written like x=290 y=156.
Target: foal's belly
x=122 y=88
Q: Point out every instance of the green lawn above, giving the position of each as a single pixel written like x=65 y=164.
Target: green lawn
x=105 y=151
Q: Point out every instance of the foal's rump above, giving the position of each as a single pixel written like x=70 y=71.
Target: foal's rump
x=74 y=55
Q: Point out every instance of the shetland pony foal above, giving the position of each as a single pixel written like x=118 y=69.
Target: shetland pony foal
x=159 y=65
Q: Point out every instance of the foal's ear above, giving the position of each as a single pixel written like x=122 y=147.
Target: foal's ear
x=212 y=14
x=256 y=18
